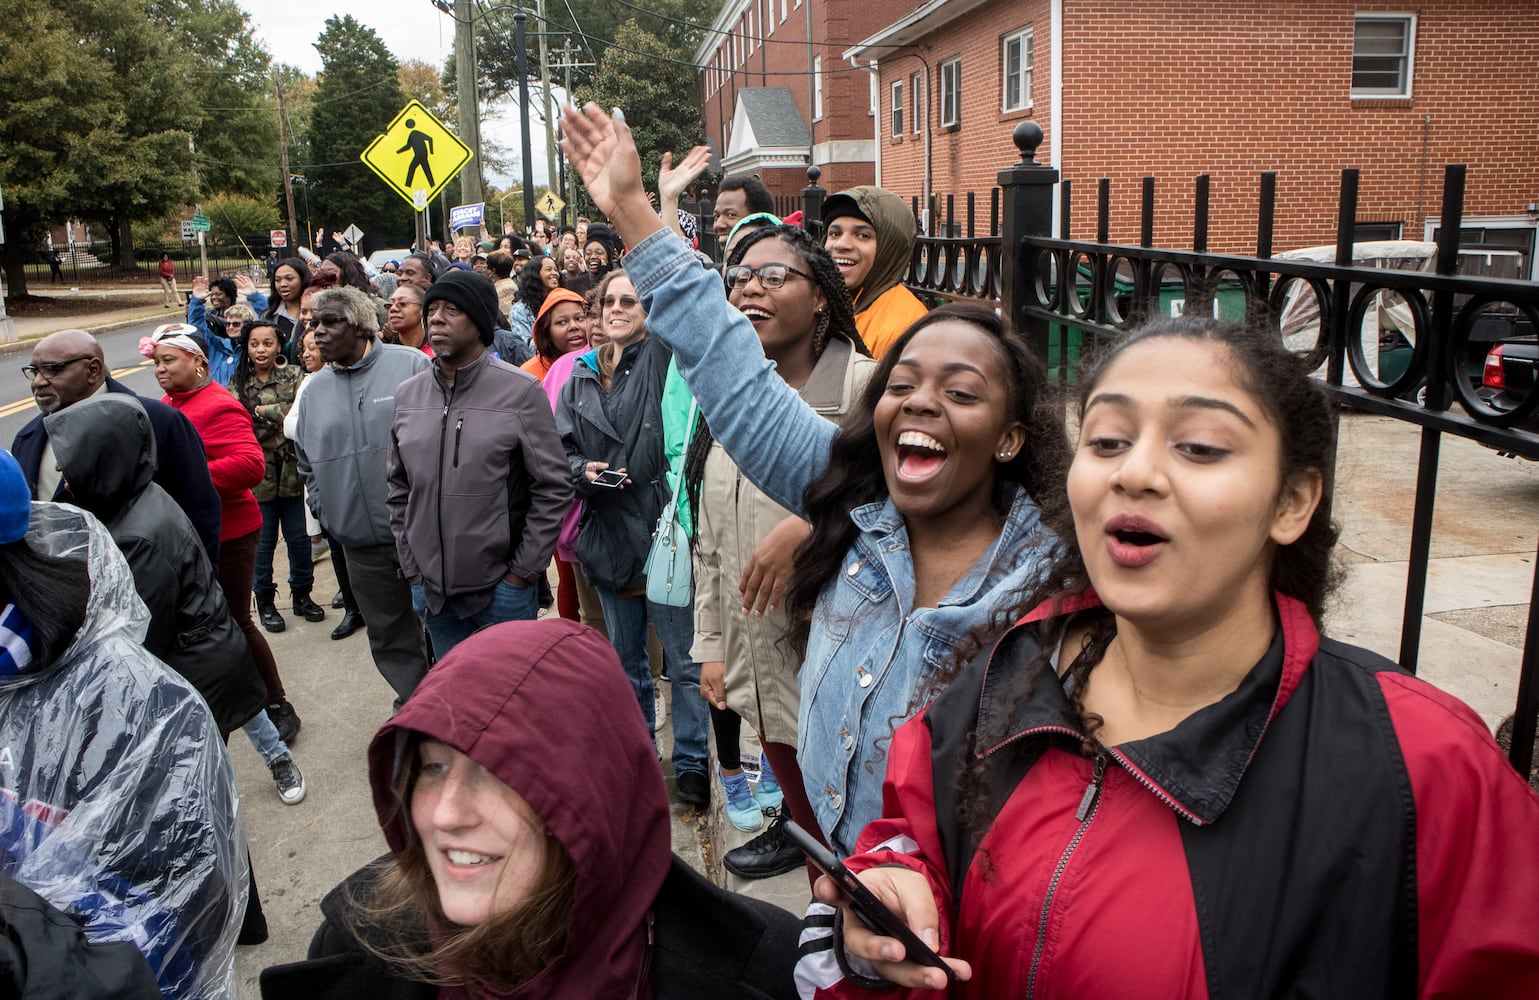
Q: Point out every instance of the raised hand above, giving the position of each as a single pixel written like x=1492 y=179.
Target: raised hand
x=244 y=286
x=671 y=180
x=200 y=287
x=601 y=150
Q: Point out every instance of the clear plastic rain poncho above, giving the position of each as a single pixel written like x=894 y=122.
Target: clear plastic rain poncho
x=117 y=800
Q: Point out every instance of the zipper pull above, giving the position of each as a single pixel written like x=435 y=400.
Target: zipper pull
x=1092 y=790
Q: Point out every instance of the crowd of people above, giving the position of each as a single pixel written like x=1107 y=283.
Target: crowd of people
x=1062 y=703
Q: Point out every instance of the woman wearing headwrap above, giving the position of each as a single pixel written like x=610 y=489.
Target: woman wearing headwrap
x=236 y=464
x=870 y=234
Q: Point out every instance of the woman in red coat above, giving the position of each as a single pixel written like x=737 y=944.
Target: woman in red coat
x=235 y=463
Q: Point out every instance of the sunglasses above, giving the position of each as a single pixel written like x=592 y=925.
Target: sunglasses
x=623 y=301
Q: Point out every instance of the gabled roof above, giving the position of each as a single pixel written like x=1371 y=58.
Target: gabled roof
x=767 y=131
x=767 y=117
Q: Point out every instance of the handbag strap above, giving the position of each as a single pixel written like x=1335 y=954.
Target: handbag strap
x=689 y=432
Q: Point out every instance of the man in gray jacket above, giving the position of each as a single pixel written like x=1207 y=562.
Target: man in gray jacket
x=343 y=448
x=478 y=480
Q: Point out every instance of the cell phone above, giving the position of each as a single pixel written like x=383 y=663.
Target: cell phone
x=610 y=478
x=871 y=911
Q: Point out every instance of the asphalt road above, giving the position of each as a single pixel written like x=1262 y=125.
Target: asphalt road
x=123 y=360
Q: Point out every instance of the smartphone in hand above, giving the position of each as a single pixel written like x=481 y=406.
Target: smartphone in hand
x=871 y=911
x=610 y=479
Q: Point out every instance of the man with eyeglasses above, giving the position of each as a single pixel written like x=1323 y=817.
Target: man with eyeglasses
x=68 y=367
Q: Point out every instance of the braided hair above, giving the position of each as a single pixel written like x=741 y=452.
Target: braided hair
x=837 y=320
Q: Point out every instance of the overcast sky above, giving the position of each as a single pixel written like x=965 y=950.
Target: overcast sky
x=411 y=29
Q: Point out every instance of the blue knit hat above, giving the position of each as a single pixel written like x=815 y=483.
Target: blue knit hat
x=15 y=500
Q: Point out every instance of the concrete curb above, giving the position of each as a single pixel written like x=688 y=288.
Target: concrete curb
x=22 y=344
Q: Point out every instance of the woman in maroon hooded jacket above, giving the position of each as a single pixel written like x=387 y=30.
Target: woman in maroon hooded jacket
x=511 y=877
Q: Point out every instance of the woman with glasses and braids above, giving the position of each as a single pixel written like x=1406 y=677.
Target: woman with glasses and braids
x=790 y=290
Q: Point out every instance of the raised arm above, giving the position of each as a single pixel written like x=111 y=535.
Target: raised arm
x=776 y=439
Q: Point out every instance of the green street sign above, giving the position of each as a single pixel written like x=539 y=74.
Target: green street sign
x=200 y=222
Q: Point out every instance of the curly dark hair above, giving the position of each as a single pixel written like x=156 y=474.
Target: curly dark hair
x=838 y=321
x=531 y=289
x=854 y=474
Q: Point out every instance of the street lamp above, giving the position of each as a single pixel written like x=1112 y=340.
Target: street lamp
x=502 y=216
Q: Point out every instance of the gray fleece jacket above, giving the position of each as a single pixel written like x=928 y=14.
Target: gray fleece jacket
x=344 y=441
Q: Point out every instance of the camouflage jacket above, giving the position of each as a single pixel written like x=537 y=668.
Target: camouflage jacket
x=269 y=402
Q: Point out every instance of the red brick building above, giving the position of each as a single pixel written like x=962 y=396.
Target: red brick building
x=1174 y=89
x=779 y=96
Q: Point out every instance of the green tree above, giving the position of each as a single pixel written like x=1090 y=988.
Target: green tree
x=358 y=95
x=665 y=117
x=240 y=217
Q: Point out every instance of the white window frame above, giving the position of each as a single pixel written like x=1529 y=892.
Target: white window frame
x=1409 y=55
x=784 y=10
x=748 y=28
x=1025 y=75
x=916 y=103
x=951 y=80
x=895 y=121
x=769 y=17
x=817 y=88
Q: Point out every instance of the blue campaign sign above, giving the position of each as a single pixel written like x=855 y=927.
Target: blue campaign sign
x=465 y=216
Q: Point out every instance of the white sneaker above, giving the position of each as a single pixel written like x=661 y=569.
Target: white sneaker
x=291 y=784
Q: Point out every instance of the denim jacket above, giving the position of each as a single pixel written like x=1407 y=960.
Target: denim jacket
x=870 y=651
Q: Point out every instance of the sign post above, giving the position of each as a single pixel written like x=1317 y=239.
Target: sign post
x=7 y=325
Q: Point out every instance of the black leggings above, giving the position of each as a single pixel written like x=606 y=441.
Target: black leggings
x=728 y=726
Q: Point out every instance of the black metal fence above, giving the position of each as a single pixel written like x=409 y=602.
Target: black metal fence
x=1406 y=344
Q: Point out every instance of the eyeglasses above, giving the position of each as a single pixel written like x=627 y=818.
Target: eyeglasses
x=50 y=369
x=771 y=276
x=623 y=301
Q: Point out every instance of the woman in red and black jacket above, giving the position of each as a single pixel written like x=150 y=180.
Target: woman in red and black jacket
x=1165 y=781
x=235 y=464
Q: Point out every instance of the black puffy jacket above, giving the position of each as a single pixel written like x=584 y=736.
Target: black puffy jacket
x=106 y=451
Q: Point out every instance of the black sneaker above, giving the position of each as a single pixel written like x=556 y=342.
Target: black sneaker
x=769 y=854
x=694 y=789
x=284 y=719
x=291 y=784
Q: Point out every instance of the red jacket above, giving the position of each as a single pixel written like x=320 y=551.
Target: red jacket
x=1378 y=845
x=235 y=460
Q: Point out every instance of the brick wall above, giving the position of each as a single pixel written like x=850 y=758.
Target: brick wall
x=783 y=59
x=1172 y=90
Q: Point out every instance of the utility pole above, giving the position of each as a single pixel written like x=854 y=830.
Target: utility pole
x=283 y=160
x=519 y=17
x=550 y=121
x=568 y=63
x=466 y=84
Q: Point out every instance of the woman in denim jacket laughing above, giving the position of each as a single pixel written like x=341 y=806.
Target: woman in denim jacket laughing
x=925 y=506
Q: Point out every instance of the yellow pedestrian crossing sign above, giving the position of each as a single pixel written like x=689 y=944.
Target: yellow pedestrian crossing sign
x=549 y=205
x=417 y=155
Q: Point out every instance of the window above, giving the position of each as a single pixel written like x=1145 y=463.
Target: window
x=769 y=17
x=817 y=88
x=915 y=95
x=1364 y=230
x=951 y=93
x=1017 y=62
x=783 y=11
x=1382 y=50
x=897 y=110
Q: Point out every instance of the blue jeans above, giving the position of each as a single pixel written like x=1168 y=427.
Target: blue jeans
x=510 y=603
x=626 y=618
x=288 y=513
x=264 y=737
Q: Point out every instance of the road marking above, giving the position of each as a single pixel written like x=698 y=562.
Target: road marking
x=11 y=409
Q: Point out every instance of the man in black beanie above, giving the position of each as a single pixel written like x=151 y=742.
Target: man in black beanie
x=477 y=481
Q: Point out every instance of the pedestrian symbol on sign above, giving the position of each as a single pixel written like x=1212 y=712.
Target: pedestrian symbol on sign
x=421 y=146
x=416 y=155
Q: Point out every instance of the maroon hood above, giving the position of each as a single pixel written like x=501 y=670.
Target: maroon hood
x=546 y=707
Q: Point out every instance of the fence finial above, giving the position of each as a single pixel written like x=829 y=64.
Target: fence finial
x=1027 y=136
x=813 y=173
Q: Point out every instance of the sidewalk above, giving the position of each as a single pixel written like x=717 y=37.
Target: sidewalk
x=138 y=305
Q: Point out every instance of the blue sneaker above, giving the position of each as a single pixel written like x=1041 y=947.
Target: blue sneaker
x=742 y=809
x=767 y=792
